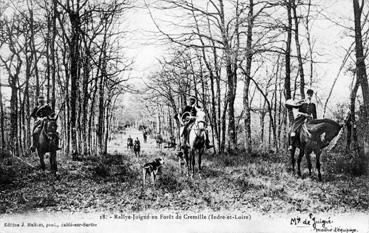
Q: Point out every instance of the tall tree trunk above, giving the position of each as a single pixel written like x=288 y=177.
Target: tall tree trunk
x=298 y=50
x=361 y=73
x=74 y=61
x=2 y=129
x=53 y=55
x=246 y=88
x=13 y=137
x=352 y=130
x=100 y=126
x=287 y=80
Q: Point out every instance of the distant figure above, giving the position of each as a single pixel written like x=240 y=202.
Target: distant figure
x=145 y=136
x=129 y=142
x=137 y=147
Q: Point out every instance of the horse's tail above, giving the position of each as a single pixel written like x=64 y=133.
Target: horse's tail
x=333 y=143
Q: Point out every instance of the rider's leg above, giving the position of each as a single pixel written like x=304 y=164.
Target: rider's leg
x=207 y=141
x=36 y=129
x=183 y=135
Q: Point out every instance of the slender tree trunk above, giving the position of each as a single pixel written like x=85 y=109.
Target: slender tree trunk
x=287 y=81
x=53 y=55
x=13 y=137
x=246 y=88
x=74 y=61
x=361 y=73
x=2 y=129
x=298 y=50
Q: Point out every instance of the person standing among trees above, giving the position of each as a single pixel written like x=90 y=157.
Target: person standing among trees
x=306 y=111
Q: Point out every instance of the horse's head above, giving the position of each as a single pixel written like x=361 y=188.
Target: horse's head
x=51 y=125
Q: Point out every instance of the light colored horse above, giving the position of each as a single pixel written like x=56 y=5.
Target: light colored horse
x=196 y=142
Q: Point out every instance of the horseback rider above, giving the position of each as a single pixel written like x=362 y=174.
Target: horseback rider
x=137 y=142
x=39 y=113
x=129 y=140
x=193 y=109
x=306 y=111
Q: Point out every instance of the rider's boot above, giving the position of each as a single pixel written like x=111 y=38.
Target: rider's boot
x=207 y=141
x=292 y=140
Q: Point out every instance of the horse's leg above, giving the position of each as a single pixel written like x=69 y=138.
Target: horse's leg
x=308 y=152
x=42 y=162
x=301 y=154
x=53 y=161
x=200 y=152
x=185 y=150
x=318 y=164
x=293 y=158
x=193 y=153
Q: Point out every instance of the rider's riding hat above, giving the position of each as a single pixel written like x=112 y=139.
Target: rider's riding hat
x=310 y=92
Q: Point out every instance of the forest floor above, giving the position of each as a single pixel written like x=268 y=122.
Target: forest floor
x=259 y=182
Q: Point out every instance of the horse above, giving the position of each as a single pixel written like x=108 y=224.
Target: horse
x=137 y=148
x=314 y=136
x=48 y=142
x=196 y=142
x=129 y=143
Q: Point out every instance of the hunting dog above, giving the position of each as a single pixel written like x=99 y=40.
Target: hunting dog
x=152 y=169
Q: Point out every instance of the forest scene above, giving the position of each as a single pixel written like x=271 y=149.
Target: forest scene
x=181 y=105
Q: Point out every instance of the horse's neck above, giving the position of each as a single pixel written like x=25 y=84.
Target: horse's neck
x=328 y=128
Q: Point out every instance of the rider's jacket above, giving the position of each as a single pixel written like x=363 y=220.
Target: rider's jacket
x=42 y=111
x=308 y=108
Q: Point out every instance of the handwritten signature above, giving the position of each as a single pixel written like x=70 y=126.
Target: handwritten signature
x=319 y=224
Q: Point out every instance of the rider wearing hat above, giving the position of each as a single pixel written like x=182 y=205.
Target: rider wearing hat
x=41 y=111
x=305 y=111
x=193 y=108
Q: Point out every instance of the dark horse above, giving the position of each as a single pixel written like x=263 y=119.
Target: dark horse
x=313 y=137
x=48 y=142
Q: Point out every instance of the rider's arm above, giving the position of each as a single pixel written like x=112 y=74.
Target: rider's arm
x=301 y=111
x=314 y=112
